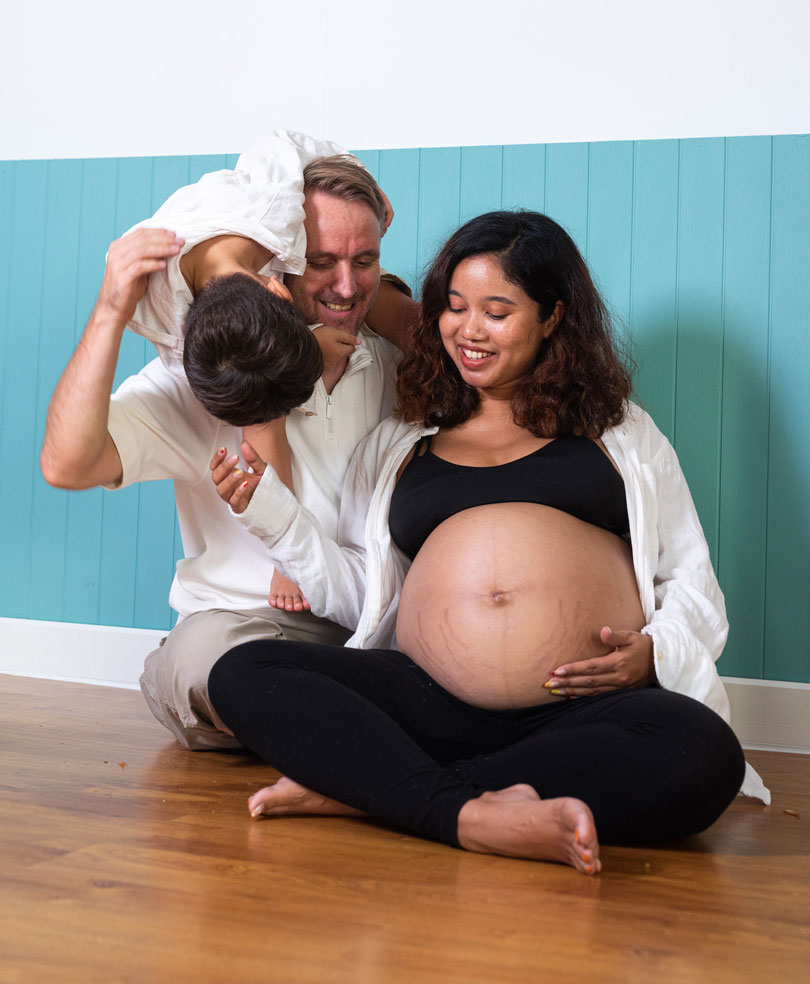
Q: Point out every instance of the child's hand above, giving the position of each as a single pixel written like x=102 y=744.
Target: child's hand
x=336 y=345
x=285 y=595
x=234 y=485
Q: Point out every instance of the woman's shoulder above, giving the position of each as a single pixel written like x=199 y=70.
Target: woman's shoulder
x=637 y=431
x=393 y=433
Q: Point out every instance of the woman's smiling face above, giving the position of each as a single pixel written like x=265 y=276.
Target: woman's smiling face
x=491 y=328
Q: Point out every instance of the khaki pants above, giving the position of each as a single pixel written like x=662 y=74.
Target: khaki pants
x=175 y=676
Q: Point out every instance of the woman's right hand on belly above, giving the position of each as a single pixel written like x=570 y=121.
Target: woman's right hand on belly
x=629 y=664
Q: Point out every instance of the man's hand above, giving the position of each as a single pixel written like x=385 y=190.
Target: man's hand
x=629 y=664
x=235 y=485
x=129 y=262
x=336 y=345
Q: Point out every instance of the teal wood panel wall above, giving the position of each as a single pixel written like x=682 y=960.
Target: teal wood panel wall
x=700 y=246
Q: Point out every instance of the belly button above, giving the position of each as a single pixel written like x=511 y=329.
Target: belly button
x=499 y=597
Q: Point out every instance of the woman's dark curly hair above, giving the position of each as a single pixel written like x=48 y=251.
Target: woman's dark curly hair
x=581 y=379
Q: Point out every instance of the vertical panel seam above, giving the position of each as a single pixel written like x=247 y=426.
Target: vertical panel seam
x=721 y=394
x=587 y=198
x=631 y=298
x=36 y=367
x=677 y=298
x=417 y=273
x=768 y=390
x=75 y=342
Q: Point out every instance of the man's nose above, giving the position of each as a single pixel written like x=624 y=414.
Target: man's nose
x=344 y=282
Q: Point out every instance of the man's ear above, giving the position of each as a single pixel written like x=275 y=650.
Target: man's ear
x=275 y=286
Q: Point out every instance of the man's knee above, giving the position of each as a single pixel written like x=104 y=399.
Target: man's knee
x=175 y=676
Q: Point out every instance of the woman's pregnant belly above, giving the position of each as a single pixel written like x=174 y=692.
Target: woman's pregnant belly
x=500 y=595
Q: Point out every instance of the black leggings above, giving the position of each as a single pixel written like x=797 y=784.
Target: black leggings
x=372 y=730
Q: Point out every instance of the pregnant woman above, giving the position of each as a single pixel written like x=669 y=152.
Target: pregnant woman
x=526 y=536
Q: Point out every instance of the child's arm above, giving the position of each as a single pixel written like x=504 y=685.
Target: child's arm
x=393 y=314
x=270 y=442
x=219 y=257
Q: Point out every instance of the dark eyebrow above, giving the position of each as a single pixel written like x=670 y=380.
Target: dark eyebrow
x=492 y=297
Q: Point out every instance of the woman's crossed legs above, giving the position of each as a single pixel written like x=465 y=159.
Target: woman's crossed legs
x=369 y=730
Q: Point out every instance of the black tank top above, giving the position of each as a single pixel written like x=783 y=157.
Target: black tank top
x=570 y=473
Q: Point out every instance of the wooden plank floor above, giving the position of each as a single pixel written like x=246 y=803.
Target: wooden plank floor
x=125 y=858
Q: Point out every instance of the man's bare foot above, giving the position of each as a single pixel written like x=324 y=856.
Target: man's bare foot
x=517 y=823
x=288 y=796
x=286 y=595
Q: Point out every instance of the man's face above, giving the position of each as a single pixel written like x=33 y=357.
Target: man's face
x=343 y=262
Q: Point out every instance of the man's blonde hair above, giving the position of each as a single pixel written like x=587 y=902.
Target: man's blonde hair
x=344 y=177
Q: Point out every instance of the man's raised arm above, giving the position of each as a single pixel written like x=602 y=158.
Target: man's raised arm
x=78 y=452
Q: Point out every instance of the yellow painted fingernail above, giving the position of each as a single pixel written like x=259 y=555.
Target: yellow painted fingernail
x=558 y=693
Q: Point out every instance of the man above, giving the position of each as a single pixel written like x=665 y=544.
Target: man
x=153 y=428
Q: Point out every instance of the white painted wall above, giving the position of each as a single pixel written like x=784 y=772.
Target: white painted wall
x=111 y=78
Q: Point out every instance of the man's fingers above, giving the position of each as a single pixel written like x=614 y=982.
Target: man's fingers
x=147 y=244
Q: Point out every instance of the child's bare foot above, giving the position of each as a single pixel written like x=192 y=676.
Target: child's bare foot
x=286 y=595
x=517 y=823
x=288 y=796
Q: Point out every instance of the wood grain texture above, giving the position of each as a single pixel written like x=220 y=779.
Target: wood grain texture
x=125 y=858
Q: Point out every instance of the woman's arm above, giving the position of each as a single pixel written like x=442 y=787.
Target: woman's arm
x=332 y=574
x=687 y=626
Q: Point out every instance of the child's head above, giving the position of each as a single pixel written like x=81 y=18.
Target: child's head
x=248 y=354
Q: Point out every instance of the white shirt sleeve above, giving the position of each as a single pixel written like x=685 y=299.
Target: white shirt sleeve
x=332 y=574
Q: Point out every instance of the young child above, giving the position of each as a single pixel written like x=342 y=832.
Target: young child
x=218 y=312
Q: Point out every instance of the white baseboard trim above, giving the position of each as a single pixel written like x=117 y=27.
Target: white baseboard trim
x=100 y=654
x=766 y=714
x=770 y=715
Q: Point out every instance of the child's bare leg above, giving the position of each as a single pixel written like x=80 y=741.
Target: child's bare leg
x=270 y=443
x=286 y=595
x=288 y=796
x=517 y=823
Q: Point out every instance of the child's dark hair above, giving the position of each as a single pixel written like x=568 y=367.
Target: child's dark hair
x=248 y=354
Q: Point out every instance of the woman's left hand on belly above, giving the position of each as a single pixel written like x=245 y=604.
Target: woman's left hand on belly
x=629 y=664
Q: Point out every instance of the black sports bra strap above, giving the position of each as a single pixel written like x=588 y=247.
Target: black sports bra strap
x=423 y=446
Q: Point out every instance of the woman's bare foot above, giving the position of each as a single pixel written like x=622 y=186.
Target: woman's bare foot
x=517 y=823
x=288 y=796
x=286 y=595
